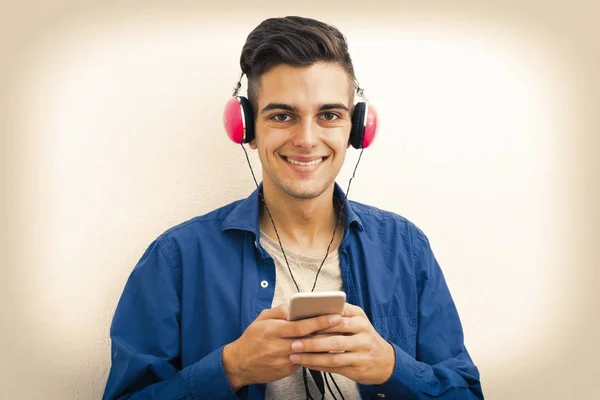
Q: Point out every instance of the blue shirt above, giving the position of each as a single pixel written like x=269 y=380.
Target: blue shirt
x=200 y=284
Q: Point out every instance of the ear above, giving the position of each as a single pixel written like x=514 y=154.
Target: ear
x=252 y=144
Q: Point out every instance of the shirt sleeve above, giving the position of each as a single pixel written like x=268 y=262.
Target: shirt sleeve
x=145 y=344
x=442 y=368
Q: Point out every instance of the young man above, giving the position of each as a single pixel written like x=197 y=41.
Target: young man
x=203 y=314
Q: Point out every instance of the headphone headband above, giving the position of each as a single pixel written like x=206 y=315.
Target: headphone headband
x=359 y=91
x=238 y=85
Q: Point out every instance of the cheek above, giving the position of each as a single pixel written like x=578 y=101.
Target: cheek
x=340 y=144
x=269 y=142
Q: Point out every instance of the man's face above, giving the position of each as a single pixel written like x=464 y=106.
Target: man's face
x=302 y=127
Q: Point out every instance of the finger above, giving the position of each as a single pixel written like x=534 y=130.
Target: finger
x=326 y=360
x=320 y=335
x=279 y=312
x=307 y=326
x=334 y=343
x=350 y=310
x=352 y=325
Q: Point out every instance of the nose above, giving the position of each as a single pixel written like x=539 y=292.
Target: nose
x=306 y=135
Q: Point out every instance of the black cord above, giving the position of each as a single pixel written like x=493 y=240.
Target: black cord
x=339 y=218
x=271 y=218
x=336 y=386
x=308 y=395
x=328 y=387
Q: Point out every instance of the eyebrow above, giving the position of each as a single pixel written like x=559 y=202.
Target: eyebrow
x=278 y=106
x=333 y=106
x=287 y=107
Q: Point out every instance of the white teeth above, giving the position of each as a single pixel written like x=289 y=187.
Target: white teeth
x=304 y=164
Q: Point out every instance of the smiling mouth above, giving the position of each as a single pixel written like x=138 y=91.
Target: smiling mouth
x=310 y=163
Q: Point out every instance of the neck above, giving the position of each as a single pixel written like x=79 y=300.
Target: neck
x=304 y=225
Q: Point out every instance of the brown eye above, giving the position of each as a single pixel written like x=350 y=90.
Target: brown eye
x=280 y=118
x=329 y=116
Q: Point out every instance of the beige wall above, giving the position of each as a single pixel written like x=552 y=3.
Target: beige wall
x=111 y=132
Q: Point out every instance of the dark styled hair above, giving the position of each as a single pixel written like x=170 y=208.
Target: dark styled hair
x=294 y=41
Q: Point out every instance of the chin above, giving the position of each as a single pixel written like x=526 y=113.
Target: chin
x=305 y=192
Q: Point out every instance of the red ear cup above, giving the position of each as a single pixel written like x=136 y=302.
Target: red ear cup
x=370 y=126
x=238 y=120
x=364 y=125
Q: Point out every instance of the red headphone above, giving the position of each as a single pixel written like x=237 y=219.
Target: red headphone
x=238 y=120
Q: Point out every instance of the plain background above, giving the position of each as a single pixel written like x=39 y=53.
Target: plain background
x=110 y=114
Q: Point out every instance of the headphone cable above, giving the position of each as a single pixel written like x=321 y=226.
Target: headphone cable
x=308 y=395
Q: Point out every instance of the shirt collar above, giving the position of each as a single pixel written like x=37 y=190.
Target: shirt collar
x=245 y=215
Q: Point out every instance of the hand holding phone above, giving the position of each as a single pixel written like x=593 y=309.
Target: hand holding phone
x=261 y=354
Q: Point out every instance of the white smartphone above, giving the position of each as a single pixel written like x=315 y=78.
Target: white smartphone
x=312 y=304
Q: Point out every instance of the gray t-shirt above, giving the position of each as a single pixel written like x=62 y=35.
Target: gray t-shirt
x=304 y=269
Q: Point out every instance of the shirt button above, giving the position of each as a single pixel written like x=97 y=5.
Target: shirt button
x=382 y=395
x=264 y=284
